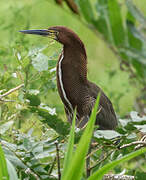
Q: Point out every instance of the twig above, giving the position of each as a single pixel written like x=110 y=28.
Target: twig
x=92 y=152
x=106 y=156
x=6 y=100
x=117 y=176
x=133 y=143
x=51 y=168
x=11 y=90
x=58 y=160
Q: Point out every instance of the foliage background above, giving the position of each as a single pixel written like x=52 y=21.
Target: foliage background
x=102 y=63
x=21 y=62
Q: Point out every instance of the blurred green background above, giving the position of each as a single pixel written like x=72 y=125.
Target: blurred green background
x=103 y=66
x=29 y=120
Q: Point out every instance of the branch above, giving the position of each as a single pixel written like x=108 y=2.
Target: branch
x=6 y=100
x=100 y=161
x=133 y=143
x=117 y=176
x=11 y=90
x=58 y=161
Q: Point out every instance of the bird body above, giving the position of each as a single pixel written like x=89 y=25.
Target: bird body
x=73 y=86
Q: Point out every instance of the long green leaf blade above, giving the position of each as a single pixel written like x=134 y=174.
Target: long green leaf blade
x=3 y=166
x=100 y=173
x=86 y=9
x=136 y=12
x=116 y=22
x=68 y=156
x=75 y=169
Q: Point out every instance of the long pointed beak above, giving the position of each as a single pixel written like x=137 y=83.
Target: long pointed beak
x=43 y=32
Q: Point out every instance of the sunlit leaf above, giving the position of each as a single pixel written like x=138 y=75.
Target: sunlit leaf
x=107 y=134
x=40 y=62
x=141 y=128
x=5 y=127
x=36 y=50
x=136 y=118
x=11 y=170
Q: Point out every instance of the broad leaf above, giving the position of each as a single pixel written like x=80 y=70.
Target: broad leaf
x=5 y=127
x=11 y=170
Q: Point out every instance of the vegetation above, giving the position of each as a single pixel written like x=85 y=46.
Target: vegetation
x=36 y=142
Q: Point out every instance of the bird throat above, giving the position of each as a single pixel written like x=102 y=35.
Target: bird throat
x=61 y=85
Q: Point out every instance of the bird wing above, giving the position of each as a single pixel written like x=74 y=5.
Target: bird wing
x=105 y=118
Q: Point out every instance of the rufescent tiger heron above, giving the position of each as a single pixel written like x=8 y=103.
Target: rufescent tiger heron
x=73 y=86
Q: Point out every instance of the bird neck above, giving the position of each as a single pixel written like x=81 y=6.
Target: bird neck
x=71 y=75
x=75 y=61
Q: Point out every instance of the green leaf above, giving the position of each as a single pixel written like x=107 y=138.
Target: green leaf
x=5 y=127
x=136 y=12
x=134 y=54
x=105 y=169
x=136 y=118
x=36 y=50
x=86 y=9
x=107 y=134
x=34 y=100
x=103 y=23
x=52 y=63
x=140 y=175
x=11 y=170
x=136 y=33
x=141 y=128
x=40 y=62
x=69 y=154
x=116 y=23
x=52 y=121
x=3 y=166
x=136 y=44
x=75 y=169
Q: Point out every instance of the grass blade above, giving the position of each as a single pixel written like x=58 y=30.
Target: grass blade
x=75 y=169
x=100 y=173
x=3 y=166
x=68 y=155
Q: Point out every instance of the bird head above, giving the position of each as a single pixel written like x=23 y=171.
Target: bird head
x=59 y=33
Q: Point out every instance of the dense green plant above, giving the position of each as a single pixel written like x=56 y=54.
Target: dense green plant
x=36 y=159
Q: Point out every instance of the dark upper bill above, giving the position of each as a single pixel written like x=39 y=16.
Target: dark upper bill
x=43 y=32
